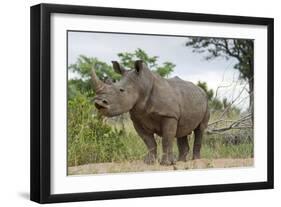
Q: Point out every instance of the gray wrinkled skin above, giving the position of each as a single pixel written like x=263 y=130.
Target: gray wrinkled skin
x=167 y=107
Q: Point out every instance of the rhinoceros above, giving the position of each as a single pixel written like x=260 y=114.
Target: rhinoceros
x=171 y=108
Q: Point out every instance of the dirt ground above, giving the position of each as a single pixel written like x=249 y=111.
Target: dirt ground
x=140 y=166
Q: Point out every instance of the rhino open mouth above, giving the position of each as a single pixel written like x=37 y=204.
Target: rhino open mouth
x=100 y=106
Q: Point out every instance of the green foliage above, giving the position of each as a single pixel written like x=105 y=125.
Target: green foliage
x=76 y=87
x=90 y=140
x=203 y=85
x=84 y=65
x=165 y=70
x=128 y=59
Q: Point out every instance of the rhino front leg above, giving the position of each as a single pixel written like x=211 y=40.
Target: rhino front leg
x=169 y=128
x=149 y=140
x=151 y=145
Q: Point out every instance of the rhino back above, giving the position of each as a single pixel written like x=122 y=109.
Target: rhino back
x=192 y=101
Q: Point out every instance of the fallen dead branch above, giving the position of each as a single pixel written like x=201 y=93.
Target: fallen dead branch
x=223 y=124
x=242 y=123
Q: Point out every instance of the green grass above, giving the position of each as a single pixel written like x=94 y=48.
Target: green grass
x=91 y=139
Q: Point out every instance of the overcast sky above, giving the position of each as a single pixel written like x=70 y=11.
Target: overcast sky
x=189 y=65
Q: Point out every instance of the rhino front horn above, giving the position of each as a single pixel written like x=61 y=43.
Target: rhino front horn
x=98 y=84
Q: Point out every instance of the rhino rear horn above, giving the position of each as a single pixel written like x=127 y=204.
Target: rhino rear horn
x=97 y=83
x=118 y=68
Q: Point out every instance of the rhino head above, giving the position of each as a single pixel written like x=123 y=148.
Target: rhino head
x=120 y=97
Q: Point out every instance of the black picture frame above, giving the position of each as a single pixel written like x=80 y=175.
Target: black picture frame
x=41 y=99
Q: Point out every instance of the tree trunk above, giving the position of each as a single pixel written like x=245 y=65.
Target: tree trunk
x=251 y=94
x=251 y=91
x=251 y=82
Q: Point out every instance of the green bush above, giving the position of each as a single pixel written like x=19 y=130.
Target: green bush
x=91 y=140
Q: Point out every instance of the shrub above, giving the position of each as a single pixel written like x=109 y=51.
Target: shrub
x=91 y=140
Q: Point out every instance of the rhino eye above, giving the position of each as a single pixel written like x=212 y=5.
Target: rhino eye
x=121 y=90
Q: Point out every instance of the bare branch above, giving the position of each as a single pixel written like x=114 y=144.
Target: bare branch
x=238 y=124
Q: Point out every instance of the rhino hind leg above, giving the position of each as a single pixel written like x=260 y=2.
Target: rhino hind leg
x=198 y=132
x=183 y=147
x=197 y=143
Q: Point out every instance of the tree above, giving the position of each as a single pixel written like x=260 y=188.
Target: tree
x=240 y=49
x=165 y=70
x=128 y=59
x=83 y=67
x=203 y=85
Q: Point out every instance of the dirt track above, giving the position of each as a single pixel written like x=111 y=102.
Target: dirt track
x=139 y=166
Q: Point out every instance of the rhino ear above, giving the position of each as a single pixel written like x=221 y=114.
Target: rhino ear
x=118 y=68
x=139 y=65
